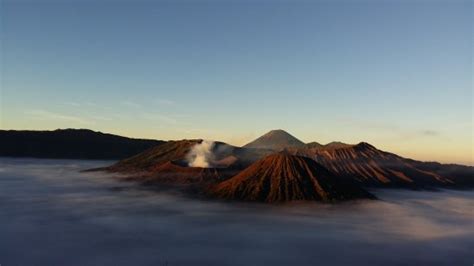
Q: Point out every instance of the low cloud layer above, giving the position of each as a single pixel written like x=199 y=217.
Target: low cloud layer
x=55 y=215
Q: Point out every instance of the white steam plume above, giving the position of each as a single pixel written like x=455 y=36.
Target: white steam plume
x=201 y=154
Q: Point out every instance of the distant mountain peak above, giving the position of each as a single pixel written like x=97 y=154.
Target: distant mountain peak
x=277 y=139
x=276 y=131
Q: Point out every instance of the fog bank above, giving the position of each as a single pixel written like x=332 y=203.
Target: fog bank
x=53 y=215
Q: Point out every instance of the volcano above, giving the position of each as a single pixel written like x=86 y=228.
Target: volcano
x=283 y=177
x=276 y=140
x=176 y=173
x=315 y=173
x=168 y=164
x=156 y=156
x=224 y=156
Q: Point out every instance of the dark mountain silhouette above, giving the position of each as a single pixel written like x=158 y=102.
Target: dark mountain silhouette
x=282 y=177
x=330 y=145
x=275 y=140
x=314 y=144
x=70 y=144
x=336 y=145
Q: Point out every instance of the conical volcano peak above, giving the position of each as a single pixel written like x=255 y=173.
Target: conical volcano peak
x=276 y=132
x=276 y=139
x=284 y=177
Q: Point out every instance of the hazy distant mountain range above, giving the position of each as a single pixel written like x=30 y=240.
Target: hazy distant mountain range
x=274 y=167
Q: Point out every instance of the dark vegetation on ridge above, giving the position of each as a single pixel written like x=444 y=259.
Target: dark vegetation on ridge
x=70 y=144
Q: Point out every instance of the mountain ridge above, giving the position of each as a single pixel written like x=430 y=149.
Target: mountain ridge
x=373 y=167
x=360 y=162
x=70 y=144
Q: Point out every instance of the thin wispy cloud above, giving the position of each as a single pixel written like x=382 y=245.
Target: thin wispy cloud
x=102 y=118
x=86 y=105
x=92 y=104
x=390 y=129
x=47 y=115
x=131 y=104
x=429 y=132
x=366 y=124
x=417 y=134
x=182 y=115
x=165 y=102
x=169 y=119
x=73 y=104
x=97 y=105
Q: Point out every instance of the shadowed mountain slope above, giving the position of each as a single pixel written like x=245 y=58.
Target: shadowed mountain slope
x=330 y=145
x=313 y=144
x=70 y=144
x=373 y=167
x=168 y=164
x=282 y=177
x=144 y=161
x=224 y=156
x=174 y=173
x=336 y=145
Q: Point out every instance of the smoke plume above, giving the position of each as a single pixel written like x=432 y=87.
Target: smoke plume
x=201 y=154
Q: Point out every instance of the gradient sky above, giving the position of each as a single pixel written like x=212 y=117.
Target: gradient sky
x=397 y=74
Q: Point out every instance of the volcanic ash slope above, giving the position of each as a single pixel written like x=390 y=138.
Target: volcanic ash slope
x=282 y=177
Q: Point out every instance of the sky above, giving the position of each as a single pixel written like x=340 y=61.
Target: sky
x=397 y=74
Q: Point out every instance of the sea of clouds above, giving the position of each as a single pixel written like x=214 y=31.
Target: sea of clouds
x=52 y=214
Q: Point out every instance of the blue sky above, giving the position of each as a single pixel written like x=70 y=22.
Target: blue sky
x=397 y=74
